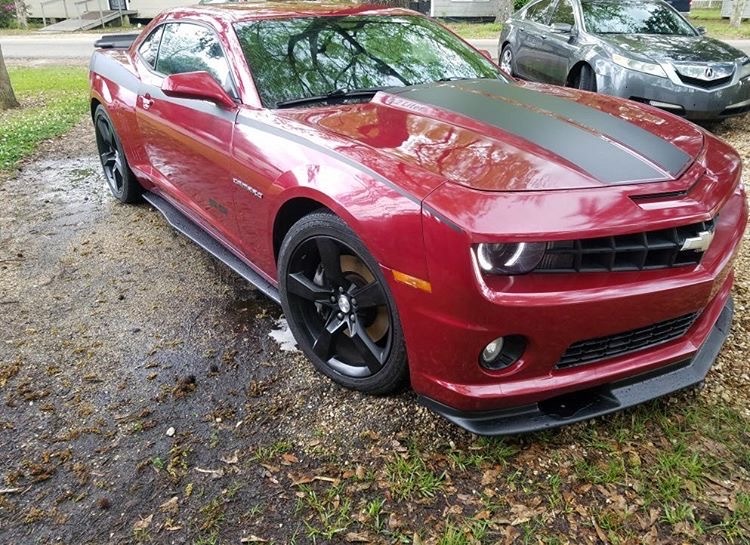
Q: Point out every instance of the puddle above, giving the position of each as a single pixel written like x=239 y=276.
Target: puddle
x=283 y=336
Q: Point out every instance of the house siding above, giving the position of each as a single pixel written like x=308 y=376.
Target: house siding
x=145 y=8
x=727 y=7
x=464 y=8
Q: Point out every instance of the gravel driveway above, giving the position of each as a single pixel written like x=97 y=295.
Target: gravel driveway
x=144 y=399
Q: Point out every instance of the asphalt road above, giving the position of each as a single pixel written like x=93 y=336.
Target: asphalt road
x=80 y=46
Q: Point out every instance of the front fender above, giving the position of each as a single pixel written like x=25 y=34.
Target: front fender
x=388 y=222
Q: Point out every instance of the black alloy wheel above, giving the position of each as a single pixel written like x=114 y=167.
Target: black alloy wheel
x=339 y=307
x=122 y=182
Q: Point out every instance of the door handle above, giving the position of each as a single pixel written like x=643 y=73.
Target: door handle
x=147 y=101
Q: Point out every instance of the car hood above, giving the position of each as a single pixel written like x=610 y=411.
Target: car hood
x=697 y=49
x=495 y=136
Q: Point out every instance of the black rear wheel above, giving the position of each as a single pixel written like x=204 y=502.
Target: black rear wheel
x=121 y=180
x=339 y=307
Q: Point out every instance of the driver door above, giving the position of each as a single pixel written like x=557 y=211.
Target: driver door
x=188 y=140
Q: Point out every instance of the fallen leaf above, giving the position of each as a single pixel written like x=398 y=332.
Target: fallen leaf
x=354 y=537
x=289 y=459
x=416 y=540
x=233 y=459
x=142 y=524
x=253 y=539
x=170 y=506
x=215 y=473
x=301 y=479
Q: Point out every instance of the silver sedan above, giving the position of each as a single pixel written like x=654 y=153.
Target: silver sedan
x=643 y=50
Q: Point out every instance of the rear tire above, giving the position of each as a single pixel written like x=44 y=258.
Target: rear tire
x=506 y=60
x=121 y=180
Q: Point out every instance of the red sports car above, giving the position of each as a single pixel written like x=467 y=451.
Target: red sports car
x=526 y=255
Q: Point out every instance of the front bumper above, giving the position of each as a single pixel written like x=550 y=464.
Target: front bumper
x=694 y=103
x=605 y=399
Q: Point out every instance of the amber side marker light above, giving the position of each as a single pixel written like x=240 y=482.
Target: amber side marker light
x=412 y=281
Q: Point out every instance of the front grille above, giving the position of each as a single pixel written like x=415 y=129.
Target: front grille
x=634 y=252
x=703 y=84
x=592 y=350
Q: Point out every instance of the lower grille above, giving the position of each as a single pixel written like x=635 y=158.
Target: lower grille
x=601 y=348
x=634 y=252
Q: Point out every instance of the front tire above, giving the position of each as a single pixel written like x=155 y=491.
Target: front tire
x=121 y=180
x=585 y=79
x=339 y=307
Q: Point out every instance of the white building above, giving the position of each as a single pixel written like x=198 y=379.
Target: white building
x=66 y=9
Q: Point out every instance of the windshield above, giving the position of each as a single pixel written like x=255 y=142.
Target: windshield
x=630 y=17
x=314 y=56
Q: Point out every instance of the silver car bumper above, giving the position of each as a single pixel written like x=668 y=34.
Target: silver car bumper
x=671 y=94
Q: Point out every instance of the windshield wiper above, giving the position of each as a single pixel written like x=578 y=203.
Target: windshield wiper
x=335 y=94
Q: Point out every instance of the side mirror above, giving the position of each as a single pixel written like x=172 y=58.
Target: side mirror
x=562 y=28
x=198 y=85
x=486 y=53
x=701 y=30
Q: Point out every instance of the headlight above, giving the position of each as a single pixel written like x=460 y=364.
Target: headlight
x=745 y=69
x=514 y=258
x=638 y=66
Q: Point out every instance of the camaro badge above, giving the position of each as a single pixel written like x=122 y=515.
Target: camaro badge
x=246 y=187
x=698 y=243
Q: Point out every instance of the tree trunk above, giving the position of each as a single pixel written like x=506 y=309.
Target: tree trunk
x=7 y=96
x=504 y=10
x=738 y=9
x=21 y=14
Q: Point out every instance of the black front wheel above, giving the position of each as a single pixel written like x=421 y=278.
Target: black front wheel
x=121 y=180
x=585 y=79
x=339 y=306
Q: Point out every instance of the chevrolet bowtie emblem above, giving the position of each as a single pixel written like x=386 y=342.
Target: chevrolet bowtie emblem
x=698 y=243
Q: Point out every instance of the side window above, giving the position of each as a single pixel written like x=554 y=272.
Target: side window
x=186 y=47
x=564 y=13
x=540 y=12
x=150 y=47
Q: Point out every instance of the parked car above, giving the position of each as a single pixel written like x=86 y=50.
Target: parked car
x=638 y=49
x=527 y=255
x=683 y=6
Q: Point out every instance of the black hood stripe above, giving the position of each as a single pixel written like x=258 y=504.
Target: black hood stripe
x=602 y=158
x=657 y=150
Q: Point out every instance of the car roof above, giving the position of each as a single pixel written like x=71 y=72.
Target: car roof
x=247 y=11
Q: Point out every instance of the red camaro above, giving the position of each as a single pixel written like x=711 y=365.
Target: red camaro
x=528 y=256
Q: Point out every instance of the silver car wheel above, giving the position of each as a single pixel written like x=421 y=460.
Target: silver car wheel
x=506 y=60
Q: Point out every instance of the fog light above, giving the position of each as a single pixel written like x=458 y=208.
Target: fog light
x=502 y=352
x=492 y=350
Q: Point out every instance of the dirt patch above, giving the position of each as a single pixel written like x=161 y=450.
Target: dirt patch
x=143 y=400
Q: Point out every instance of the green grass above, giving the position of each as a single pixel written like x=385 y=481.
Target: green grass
x=474 y=30
x=716 y=27
x=53 y=100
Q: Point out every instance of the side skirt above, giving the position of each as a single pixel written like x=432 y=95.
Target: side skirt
x=205 y=240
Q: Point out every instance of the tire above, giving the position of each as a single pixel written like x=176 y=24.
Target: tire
x=120 y=179
x=585 y=79
x=339 y=307
x=506 y=60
